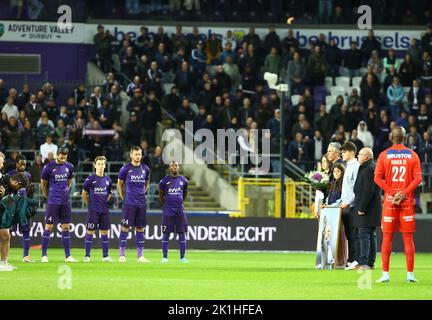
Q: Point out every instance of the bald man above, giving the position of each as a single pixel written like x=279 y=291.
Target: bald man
x=367 y=209
x=398 y=173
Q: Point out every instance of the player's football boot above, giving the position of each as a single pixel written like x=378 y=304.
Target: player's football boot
x=383 y=279
x=5 y=267
x=411 y=278
x=27 y=259
x=143 y=260
x=164 y=260
x=86 y=259
x=122 y=259
x=184 y=260
x=71 y=259
x=44 y=259
x=107 y=259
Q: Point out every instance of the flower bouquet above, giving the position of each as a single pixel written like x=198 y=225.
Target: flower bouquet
x=317 y=179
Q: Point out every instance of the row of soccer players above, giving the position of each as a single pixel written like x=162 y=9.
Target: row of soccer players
x=132 y=185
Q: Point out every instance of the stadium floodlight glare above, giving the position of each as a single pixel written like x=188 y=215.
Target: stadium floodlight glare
x=282 y=88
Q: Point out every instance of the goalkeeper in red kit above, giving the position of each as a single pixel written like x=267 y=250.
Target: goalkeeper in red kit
x=398 y=173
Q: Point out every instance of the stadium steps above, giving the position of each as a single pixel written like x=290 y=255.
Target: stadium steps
x=199 y=200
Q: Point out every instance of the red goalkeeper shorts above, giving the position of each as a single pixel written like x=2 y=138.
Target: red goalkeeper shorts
x=398 y=218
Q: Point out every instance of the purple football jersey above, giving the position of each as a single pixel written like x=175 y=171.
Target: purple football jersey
x=135 y=180
x=174 y=188
x=99 y=189
x=14 y=172
x=57 y=176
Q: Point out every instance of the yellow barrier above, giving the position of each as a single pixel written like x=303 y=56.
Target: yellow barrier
x=260 y=197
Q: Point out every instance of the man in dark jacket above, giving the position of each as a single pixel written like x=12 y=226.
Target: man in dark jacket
x=367 y=209
x=370 y=44
x=353 y=60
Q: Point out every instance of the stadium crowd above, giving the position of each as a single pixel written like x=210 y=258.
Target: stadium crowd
x=224 y=78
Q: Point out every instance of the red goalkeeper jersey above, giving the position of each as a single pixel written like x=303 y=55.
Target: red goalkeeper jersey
x=398 y=170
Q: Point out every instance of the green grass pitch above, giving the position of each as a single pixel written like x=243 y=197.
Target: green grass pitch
x=209 y=275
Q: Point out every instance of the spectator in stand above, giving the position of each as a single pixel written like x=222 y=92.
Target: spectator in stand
x=135 y=84
x=353 y=60
x=370 y=90
x=317 y=67
x=376 y=63
x=183 y=80
x=179 y=39
x=354 y=139
x=129 y=63
x=162 y=57
x=391 y=60
x=296 y=74
x=102 y=41
x=59 y=133
x=10 y=108
x=12 y=134
x=136 y=104
x=415 y=53
x=424 y=119
x=395 y=95
x=334 y=59
x=250 y=58
x=229 y=39
x=273 y=61
x=369 y=45
x=252 y=38
x=390 y=77
x=116 y=102
x=289 y=42
x=213 y=49
x=23 y=98
x=296 y=151
x=416 y=97
x=426 y=67
x=96 y=98
x=425 y=148
x=232 y=70
x=426 y=39
x=108 y=83
x=272 y=40
x=185 y=113
x=28 y=137
x=133 y=130
x=407 y=71
x=178 y=59
x=364 y=135
x=33 y=110
x=198 y=61
x=354 y=98
x=48 y=147
x=3 y=92
x=172 y=101
x=155 y=77
x=149 y=120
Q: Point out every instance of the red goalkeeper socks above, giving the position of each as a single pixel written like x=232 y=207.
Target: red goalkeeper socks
x=409 y=250
x=386 y=249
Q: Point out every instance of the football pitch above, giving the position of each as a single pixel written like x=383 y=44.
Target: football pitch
x=210 y=275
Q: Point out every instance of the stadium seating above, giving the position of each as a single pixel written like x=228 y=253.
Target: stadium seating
x=338 y=90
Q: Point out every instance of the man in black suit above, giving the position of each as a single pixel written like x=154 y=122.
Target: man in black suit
x=367 y=209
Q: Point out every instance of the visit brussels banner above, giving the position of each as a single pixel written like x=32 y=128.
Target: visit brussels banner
x=50 y=32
